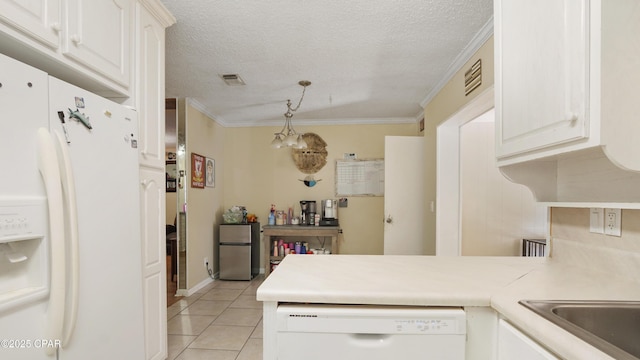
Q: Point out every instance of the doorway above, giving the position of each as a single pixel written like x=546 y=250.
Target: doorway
x=172 y=194
x=496 y=214
x=479 y=211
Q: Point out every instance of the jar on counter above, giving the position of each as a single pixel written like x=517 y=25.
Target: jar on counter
x=298 y=247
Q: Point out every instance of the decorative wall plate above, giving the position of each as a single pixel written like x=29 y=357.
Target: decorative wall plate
x=310 y=181
x=314 y=157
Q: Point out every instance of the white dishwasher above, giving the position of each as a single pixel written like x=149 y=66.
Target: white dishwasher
x=315 y=332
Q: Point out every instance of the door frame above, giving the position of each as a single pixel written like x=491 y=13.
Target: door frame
x=448 y=204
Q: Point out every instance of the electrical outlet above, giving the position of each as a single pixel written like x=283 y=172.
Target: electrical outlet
x=612 y=222
x=206 y=262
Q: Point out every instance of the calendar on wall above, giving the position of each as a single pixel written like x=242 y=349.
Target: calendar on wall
x=360 y=177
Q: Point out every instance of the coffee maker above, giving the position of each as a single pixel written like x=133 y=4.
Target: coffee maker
x=307 y=212
x=329 y=213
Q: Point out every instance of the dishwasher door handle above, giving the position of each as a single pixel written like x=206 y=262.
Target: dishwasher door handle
x=370 y=340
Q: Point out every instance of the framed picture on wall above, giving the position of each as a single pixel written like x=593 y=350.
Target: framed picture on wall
x=197 y=171
x=210 y=175
x=171 y=175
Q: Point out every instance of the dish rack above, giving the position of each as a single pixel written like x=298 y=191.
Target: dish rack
x=534 y=247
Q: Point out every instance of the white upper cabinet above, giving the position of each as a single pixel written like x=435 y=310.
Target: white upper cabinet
x=542 y=82
x=39 y=19
x=87 y=42
x=99 y=35
x=567 y=109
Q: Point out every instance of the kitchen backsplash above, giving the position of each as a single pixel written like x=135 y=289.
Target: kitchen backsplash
x=572 y=243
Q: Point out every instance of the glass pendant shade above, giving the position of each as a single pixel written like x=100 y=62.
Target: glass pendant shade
x=291 y=139
x=277 y=142
x=301 y=144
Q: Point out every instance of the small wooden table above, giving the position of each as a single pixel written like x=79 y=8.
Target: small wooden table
x=277 y=231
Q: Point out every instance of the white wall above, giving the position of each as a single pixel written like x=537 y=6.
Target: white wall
x=495 y=213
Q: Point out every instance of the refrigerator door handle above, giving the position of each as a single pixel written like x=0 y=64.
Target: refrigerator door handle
x=71 y=218
x=49 y=168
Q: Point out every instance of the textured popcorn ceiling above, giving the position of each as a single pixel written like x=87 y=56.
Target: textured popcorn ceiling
x=368 y=60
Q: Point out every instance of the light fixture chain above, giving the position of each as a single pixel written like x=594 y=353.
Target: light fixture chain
x=304 y=88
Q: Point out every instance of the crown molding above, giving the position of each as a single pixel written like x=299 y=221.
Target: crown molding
x=159 y=11
x=321 y=122
x=198 y=106
x=474 y=45
x=303 y=122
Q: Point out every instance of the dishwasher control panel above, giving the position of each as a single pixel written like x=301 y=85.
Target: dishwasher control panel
x=363 y=319
x=421 y=326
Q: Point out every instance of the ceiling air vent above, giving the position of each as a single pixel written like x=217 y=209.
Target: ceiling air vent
x=232 y=79
x=473 y=77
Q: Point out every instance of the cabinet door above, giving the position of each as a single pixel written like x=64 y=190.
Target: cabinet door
x=154 y=281
x=512 y=344
x=150 y=88
x=99 y=36
x=541 y=74
x=39 y=19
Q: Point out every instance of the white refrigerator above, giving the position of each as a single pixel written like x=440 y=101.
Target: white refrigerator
x=70 y=252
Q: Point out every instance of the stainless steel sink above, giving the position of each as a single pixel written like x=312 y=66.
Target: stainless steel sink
x=611 y=326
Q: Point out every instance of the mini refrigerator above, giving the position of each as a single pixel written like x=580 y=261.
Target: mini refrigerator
x=239 y=251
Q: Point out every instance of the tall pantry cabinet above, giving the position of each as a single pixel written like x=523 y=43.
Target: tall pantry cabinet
x=151 y=21
x=114 y=48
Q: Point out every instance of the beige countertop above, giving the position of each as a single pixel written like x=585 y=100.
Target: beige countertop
x=397 y=280
x=498 y=282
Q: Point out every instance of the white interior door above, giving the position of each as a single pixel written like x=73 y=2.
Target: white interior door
x=403 y=195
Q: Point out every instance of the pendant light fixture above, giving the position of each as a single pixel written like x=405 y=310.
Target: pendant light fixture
x=288 y=137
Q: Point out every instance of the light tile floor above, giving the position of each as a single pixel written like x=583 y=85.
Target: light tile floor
x=223 y=321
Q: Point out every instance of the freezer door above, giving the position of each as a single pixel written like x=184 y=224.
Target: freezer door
x=235 y=262
x=235 y=234
x=23 y=109
x=24 y=285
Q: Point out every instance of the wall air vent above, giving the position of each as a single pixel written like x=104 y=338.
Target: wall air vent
x=232 y=79
x=473 y=77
